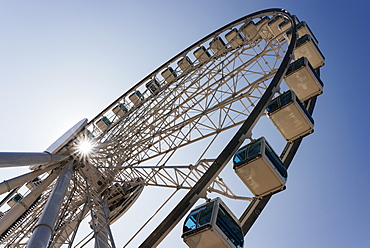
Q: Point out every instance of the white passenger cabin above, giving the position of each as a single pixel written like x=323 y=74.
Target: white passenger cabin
x=33 y=183
x=136 y=98
x=120 y=110
x=302 y=30
x=306 y=47
x=218 y=46
x=263 y=29
x=153 y=86
x=103 y=123
x=250 y=31
x=303 y=80
x=185 y=64
x=234 y=38
x=121 y=197
x=212 y=225
x=169 y=75
x=290 y=117
x=286 y=25
x=202 y=54
x=260 y=169
x=274 y=26
x=16 y=198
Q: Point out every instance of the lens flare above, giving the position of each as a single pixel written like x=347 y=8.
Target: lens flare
x=85 y=147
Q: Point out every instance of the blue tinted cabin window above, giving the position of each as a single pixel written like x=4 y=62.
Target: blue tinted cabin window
x=300 y=63
x=276 y=161
x=106 y=120
x=229 y=227
x=17 y=198
x=247 y=152
x=295 y=65
x=205 y=215
x=254 y=149
x=139 y=95
x=302 y=40
x=198 y=218
x=303 y=24
x=240 y=155
x=35 y=180
x=284 y=23
x=153 y=86
x=285 y=98
x=122 y=106
x=279 y=101
x=273 y=105
x=191 y=221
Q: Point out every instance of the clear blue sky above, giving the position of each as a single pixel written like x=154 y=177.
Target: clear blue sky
x=62 y=61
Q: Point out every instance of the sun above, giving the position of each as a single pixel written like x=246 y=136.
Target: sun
x=84 y=147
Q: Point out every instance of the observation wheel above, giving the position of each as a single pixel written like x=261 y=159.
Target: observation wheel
x=166 y=131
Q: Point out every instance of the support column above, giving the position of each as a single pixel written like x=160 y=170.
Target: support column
x=12 y=159
x=22 y=206
x=45 y=226
x=10 y=184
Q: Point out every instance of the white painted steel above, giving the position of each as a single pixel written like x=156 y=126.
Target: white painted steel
x=10 y=184
x=67 y=137
x=19 y=208
x=45 y=226
x=209 y=95
x=33 y=159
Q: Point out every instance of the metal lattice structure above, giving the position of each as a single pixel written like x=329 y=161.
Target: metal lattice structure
x=222 y=82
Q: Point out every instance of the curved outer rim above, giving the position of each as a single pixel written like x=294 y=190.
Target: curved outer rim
x=185 y=51
x=156 y=237
x=224 y=157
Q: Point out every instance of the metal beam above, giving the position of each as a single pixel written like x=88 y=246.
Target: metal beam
x=22 y=206
x=12 y=159
x=198 y=190
x=45 y=226
x=10 y=184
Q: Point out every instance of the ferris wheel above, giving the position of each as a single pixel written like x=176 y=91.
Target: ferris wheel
x=264 y=64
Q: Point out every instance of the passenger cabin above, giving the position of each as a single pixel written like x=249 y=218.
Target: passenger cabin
x=185 y=64
x=202 y=54
x=169 y=75
x=274 y=25
x=302 y=30
x=16 y=198
x=234 y=38
x=261 y=170
x=33 y=183
x=121 y=196
x=212 y=225
x=218 y=46
x=263 y=29
x=120 y=110
x=286 y=25
x=136 y=98
x=250 y=31
x=303 y=80
x=103 y=123
x=153 y=86
x=290 y=117
x=306 y=47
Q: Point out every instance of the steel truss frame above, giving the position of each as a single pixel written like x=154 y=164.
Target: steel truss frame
x=230 y=88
